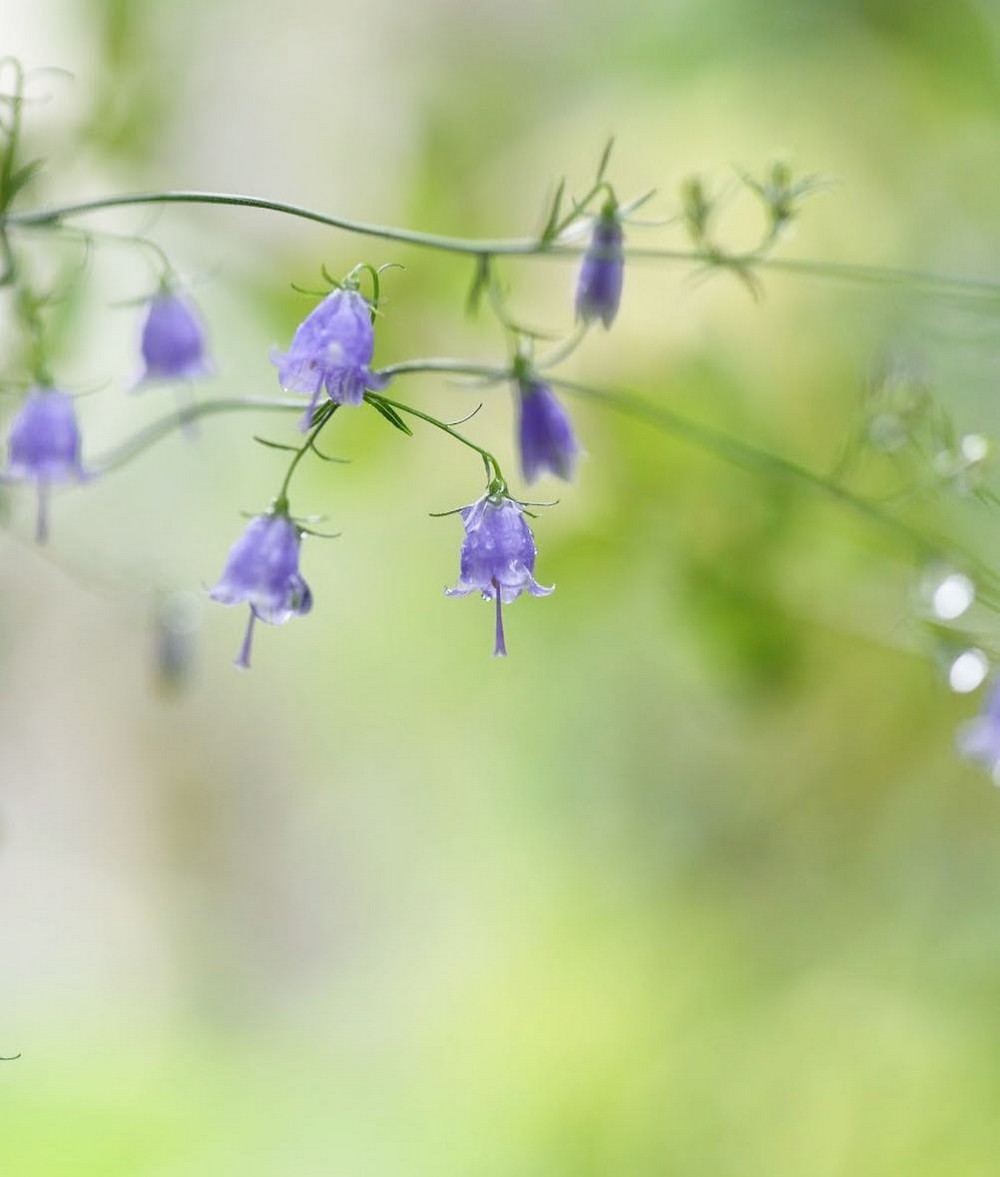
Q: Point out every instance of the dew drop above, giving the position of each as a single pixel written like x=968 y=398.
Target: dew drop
x=974 y=447
x=967 y=671
x=953 y=596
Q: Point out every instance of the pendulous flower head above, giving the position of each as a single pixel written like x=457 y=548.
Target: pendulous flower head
x=173 y=340
x=44 y=447
x=545 y=432
x=262 y=571
x=498 y=557
x=599 y=287
x=332 y=349
x=979 y=740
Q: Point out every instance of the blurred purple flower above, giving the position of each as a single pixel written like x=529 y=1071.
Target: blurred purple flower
x=262 y=571
x=332 y=348
x=498 y=557
x=979 y=740
x=545 y=432
x=44 y=447
x=599 y=287
x=173 y=341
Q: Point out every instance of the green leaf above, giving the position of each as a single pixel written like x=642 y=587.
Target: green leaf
x=551 y=227
x=602 y=167
x=390 y=414
x=24 y=175
x=275 y=445
x=480 y=283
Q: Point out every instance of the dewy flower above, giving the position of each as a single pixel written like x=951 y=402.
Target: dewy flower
x=545 y=432
x=44 y=447
x=262 y=571
x=332 y=348
x=980 y=739
x=599 y=287
x=498 y=557
x=173 y=341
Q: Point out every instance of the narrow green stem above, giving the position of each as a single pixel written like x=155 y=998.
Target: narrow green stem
x=923 y=546
x=721 y=445
x=122 y=454
x=54 y=215
x=132 y=240
x=941 y=284
x=448 y=366
x=489 y=460
x=325 y=413
x=724 y=446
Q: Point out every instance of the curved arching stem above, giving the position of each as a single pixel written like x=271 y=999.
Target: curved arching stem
x=942 y=284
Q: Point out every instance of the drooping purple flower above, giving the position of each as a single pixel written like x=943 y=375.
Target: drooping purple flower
x=44 y=447
x=262 y=571
x=173 y=340
x=498 y=557
x=979 y=740
x=545 y=432
x=332 y=348
x=599 y=287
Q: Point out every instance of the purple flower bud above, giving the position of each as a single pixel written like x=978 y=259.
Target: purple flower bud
x=599 y=287
x=498 y=557
x=262 y=571
x=980 y=739
x=173 y=341
x=44 y=447
x=332 y=347
x=545 y=432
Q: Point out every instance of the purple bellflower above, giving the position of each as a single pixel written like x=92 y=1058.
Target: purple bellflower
x=262 y=571
x=44 y=448
x=545 y=432
x=498 y=557
x=332 y=348
x=173 y=341
x=599 y=287
x=979 y=740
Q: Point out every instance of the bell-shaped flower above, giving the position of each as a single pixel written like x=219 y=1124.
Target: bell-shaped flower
x=173 y=340
x=599 y=286
x=498 y=557
x=979 y=740
x=262 y=571
x=44 y=447
x=332 y=349
x=545 y=432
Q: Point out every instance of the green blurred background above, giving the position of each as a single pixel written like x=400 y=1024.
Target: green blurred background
x=692 y=882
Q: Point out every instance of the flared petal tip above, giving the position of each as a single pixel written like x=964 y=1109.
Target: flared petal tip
x=225 y=594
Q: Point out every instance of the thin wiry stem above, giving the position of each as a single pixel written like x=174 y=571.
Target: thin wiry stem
x=321 y=420
x=922 y=545
x=942 y=284
x=740 y=453
x=183 y=418
x=448 y=366
x=721 y=445
x=493 y=470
